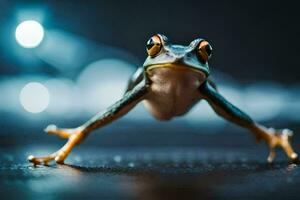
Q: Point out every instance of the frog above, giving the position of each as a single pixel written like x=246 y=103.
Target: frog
x=172 y=80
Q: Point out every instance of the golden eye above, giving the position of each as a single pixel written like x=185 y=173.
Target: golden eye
x=154 y=45
x=205 y=51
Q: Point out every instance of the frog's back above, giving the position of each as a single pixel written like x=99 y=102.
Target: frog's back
x=173 y=92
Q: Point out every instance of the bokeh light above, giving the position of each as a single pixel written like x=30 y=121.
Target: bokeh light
x=64 y=97
x=103 y=82
x=29 y=34
x=34 y=97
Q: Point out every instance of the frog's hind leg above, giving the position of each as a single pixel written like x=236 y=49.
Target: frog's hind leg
x=274 y=138
x=77 y=135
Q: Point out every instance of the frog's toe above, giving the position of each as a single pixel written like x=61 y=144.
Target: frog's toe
x=281 y=138
x=58 y=157
x=271 y=156
x=63 y=133
x=41 y=160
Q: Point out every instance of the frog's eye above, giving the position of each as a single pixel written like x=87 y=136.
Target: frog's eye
x=204 y=51
x=154 y=45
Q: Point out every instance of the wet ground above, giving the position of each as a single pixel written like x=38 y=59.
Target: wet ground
x=212 y=170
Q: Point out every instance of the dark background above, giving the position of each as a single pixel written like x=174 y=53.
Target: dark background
x=253 y=41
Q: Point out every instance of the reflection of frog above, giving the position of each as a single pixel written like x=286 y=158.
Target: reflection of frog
x=172 y=80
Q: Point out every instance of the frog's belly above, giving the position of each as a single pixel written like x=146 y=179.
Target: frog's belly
x=173 y=92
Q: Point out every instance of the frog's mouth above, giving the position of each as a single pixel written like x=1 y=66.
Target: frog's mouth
x=176 y=67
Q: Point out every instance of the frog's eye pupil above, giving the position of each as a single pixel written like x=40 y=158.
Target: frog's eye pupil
x=153 y=46
x=208 y=49
x=150 y=44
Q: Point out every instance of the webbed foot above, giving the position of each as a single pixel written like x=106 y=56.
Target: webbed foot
x=280 y=138
x=74 y=136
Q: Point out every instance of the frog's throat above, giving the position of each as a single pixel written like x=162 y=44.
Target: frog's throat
x=177 y=67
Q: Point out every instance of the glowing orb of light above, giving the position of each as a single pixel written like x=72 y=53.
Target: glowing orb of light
x=34 y=97
x=29 y=34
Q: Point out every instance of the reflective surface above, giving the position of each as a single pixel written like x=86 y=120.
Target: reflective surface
x=220 y=167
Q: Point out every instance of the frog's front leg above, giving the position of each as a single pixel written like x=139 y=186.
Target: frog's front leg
x=274 y=138
x=75 y=136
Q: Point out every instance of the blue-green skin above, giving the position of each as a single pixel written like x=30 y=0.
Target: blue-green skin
x=139 y=88
x=185 y=55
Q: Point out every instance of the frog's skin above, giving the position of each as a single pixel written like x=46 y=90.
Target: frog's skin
x=172 y=80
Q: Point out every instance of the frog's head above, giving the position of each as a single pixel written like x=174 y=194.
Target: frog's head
x=161 y=53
